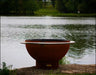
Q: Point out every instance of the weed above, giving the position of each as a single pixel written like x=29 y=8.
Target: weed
x=6 y=71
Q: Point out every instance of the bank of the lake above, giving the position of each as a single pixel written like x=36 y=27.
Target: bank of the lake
x=68 y=69
x=59 y=15
x=64 y=69
x=68 y=15
x=54 y=12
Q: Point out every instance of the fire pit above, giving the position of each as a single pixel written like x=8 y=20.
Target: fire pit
x=47 y=52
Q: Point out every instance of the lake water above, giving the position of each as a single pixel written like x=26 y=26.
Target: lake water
x=16 y=29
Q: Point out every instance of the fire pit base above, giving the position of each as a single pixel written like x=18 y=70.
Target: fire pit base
x=47 y=64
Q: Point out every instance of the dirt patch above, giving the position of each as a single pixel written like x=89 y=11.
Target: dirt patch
x=63 y=69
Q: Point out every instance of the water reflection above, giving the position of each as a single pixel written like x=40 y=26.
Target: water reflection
x=16 y=29
x=83 y=35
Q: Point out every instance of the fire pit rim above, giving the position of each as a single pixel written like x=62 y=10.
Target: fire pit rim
x=48 y=41
x=43 y=40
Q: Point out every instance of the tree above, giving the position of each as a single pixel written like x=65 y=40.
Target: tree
x=72 y=6
x=5 y=7
x=29 y=6
x=53 y=2
x=87 y=6
x=19 y=7
x=91 y=6
x=60 y=6
x=44 y=3
x=69 y=6
x=40 y=3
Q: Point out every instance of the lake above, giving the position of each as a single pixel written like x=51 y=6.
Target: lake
x=15 y=30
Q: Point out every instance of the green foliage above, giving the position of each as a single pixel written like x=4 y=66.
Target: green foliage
x=53 y=2
x=28 y=7
x=64 y=61
x=18 y=7
x=49 y=11
x=39 y=4
x=72 y=6
x=6 y=71
x=60 y=6
x=53 y=12
x=69 y=6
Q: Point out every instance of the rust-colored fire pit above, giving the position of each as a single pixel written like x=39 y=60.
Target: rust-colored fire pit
x=47 y=52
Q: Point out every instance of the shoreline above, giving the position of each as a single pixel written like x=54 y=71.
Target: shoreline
x=59 y=15
x=63 y=69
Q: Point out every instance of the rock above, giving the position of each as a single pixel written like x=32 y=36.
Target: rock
x=67 y=72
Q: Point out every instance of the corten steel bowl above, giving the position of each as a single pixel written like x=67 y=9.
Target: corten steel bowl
x=47 y=52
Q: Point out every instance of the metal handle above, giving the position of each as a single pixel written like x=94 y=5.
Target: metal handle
x=70 y=42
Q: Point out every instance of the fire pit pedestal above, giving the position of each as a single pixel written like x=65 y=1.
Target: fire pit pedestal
x=47 y=64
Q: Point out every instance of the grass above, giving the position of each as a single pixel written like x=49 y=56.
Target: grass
x=50 y=11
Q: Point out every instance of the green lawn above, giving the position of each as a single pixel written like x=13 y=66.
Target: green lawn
x=50 y=11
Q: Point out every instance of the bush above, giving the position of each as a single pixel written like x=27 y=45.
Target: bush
x=6 y=71
x=64 y=61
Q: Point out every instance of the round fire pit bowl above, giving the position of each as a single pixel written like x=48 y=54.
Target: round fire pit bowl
x=47 y=52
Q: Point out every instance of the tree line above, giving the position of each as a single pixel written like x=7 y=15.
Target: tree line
x=72 y=6
x=18 y=7
x=27 y=7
